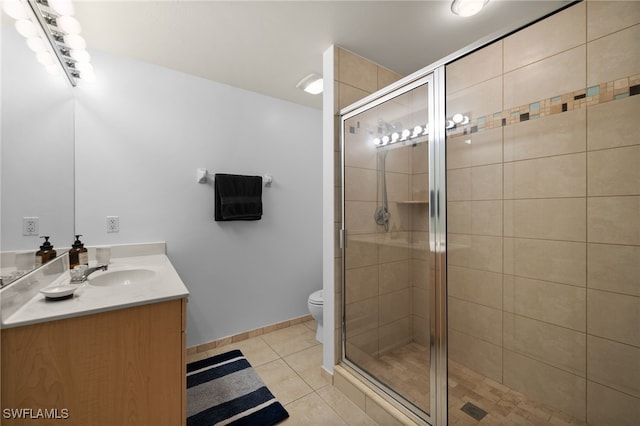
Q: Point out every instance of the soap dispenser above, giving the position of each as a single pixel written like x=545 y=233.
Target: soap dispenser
x=78 y=254
x=46 y=252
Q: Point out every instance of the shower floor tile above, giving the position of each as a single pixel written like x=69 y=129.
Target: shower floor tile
x=406 y=370
x=503 y=405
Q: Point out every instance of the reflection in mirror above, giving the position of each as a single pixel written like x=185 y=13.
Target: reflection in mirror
x=37 y=156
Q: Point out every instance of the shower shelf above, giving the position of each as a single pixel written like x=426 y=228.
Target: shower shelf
x=413 y=202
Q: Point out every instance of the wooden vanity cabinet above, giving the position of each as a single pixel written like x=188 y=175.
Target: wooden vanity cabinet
x=121 y=367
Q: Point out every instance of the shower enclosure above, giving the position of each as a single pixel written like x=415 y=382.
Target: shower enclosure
x=389 y=258
x=491 y=231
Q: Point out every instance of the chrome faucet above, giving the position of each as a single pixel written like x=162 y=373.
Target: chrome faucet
x=85 y=274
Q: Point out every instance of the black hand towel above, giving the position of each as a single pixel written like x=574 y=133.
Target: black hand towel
x=238 y=197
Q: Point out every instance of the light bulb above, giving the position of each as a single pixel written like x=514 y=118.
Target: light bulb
x=74 y=41
x=395 y=136
x=80 y=55
x=385 y=140
x=62 y=7
x=36 y=44
x=405 y=134
x=457 y=118
x=416 y=131
x=45 y=58
x=84 y=67
x=26 y=28
x=15 y=9
x=377 y=142
x=68 y=24
x=467 y=7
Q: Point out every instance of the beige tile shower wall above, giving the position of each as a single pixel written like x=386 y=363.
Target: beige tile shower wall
x=544 y=214
x=474 y=194
x=355 y=78
x=613 y=219
x=422 y=272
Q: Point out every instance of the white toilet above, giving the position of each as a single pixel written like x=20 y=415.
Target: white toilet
x=315 y=303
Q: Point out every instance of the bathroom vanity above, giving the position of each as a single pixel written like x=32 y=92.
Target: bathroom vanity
x=113 y=354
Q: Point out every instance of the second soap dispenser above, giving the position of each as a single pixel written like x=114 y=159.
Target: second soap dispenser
x=46 y=252
x=78 y=254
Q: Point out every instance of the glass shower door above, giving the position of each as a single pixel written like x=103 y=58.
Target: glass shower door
x=388 y=265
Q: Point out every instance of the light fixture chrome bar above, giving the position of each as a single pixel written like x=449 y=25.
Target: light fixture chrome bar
x=39 y=14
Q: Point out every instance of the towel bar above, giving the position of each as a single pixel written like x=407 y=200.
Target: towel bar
x=203 y=174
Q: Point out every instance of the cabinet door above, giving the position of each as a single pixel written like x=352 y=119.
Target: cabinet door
x=123 y=367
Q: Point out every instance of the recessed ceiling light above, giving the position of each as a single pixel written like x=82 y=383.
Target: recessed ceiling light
x=467 y=7
x=311 y=84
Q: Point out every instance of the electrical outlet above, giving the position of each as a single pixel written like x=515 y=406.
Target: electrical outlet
x=113 y=224
x=30 y=226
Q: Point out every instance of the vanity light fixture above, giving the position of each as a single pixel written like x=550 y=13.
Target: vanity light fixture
x=311 y=84
x=467 y=7
x=405 y=135
x=61 y=7
x=26 y=29
x=460 y=119
x=457 y=119
x=69 y=24
x=417 y=131
x=52 y=33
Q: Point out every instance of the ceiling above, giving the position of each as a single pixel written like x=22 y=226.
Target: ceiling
x=268 y=46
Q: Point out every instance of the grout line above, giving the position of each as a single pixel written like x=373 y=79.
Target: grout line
x=235 y=338
x=312 y=389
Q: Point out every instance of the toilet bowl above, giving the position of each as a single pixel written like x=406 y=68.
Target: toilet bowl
x=315 y=303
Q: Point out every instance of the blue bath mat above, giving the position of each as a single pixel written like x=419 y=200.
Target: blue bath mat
x=226 y=390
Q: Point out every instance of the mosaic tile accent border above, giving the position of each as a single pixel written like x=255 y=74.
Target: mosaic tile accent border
x=594 y=95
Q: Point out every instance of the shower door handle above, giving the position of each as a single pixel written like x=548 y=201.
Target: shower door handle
x=432 y=204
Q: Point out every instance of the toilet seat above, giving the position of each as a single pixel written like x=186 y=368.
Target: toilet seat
x=316 y=298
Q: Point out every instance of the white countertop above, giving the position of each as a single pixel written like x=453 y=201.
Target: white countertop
x=90 y=299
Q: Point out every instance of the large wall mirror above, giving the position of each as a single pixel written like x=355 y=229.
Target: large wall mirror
x=37 y=151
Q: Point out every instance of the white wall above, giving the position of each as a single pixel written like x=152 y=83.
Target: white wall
x=328 y=213
x=141 y=133
x=36 y=149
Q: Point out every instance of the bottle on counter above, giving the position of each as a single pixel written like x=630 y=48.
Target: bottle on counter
x=78 y=255
x=46 y=252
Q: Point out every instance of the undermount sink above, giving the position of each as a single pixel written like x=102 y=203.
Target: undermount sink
x=121 y=277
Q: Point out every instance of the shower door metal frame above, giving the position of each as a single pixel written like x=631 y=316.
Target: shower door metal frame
x=434 y=78
x=438 y=242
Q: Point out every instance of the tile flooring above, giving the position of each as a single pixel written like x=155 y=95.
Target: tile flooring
x=288 y=361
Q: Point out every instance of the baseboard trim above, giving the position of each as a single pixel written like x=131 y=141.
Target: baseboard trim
x=203 y=347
